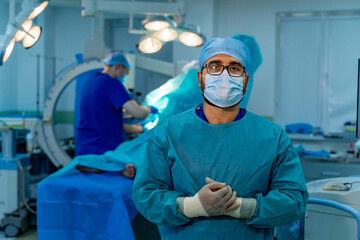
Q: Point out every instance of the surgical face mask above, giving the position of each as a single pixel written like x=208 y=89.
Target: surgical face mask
x=122 y=79
x=223 y=90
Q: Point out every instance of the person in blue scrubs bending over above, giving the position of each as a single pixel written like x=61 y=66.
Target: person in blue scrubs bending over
x=104 y=97
x=219 y=171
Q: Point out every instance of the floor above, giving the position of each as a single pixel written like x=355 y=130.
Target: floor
x=142 y=228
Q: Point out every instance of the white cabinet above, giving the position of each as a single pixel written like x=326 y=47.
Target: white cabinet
x=8 y=192
x=14 y=182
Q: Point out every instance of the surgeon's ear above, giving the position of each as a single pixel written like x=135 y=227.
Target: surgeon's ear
x=118 y=66
x=246 y=80
x=199 y=78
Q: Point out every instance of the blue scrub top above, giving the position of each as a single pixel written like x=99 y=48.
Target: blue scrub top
x=101 y=119
x=200 y=113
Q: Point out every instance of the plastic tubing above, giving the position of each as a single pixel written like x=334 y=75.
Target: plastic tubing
x=339 y=206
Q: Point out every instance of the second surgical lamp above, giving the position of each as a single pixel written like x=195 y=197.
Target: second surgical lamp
x=21 y=28
x=166 y=30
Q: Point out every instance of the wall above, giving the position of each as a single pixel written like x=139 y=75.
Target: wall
x=70 y=31
x=65 y=31
x=258 y=19
x=29 y=73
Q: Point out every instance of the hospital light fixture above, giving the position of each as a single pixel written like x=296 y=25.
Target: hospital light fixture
x=162 y=30
x=150 y=44
x=7 y=52
x=7 y=43
x=25 y=27
x=190 y=39
x=21 y=27
x=38 y=8
x=32 y=37
x=166 y=34
x=154 y=23
x=190 y=36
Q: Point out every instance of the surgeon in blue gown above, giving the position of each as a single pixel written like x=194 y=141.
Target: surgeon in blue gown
x=104 y=97
x=218 y=171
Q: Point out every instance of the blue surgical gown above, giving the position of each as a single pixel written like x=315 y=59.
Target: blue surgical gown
x=252 y=155
x=101 y=119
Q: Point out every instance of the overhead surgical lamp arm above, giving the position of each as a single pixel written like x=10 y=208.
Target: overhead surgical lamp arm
x=12 y=6
x=158 y=66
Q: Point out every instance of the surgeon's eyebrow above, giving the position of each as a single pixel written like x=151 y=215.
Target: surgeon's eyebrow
x=236 y=63
x=231 y=63
x=215 y=61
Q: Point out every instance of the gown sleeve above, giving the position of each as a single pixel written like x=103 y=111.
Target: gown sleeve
x=117 y=93
x=153 y=192
x=287 y=196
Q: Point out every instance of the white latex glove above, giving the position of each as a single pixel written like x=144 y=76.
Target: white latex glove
x=211 y=200
x=242 y=208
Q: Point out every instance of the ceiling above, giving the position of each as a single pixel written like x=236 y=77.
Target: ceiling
x=74 y=3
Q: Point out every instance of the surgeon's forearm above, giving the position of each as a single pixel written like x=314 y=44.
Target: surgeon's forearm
x=136 y=110
x=133 y=128
x=245 y=210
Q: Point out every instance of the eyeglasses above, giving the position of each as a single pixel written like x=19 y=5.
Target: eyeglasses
x=234 y=70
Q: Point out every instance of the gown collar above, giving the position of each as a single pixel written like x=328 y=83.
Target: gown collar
x=200 y=113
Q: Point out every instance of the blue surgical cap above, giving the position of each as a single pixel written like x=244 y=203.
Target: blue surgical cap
x=228 y=46
x=115 y=58
x=252 y=45
x=256 y=60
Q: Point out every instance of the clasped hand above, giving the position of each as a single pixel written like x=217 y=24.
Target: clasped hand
x=217 y=198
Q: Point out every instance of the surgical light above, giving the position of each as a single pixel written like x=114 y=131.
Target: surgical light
x=150 y=44
x=32 y=37
x=166 y=34
x=155 y=22
x=190 y=36
x=156 y=25
x=190 y=39
x=20 y=27
x=25 y=27
x=38 y=10
x=8 y=50
x=163 y=29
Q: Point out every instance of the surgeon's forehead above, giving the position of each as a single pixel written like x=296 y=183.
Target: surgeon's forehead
x=223 y=59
